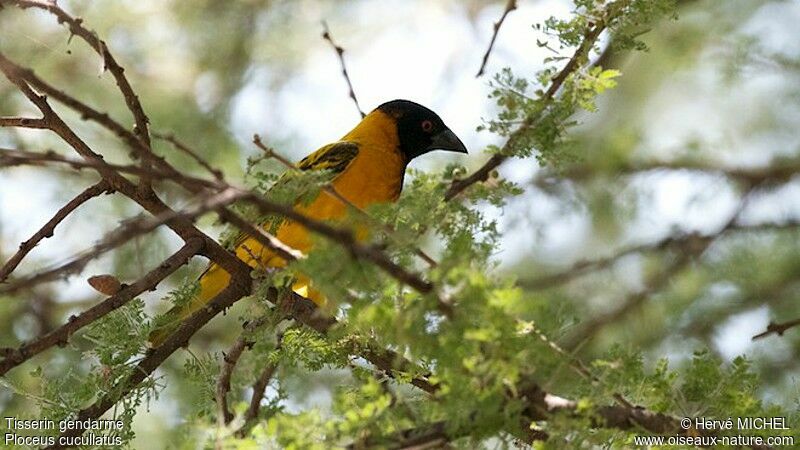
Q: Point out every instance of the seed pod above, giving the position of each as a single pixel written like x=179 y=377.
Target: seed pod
x=105 y=284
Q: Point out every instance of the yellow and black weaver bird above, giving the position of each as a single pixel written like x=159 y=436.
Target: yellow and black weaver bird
x=368 y=164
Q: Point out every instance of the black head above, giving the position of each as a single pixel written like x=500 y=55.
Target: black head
x=420 y=130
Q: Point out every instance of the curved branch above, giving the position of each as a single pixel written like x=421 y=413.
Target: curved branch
x=48 y=228
x=229 y=360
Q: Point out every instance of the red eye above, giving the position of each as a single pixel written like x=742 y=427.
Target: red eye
x=427 y=126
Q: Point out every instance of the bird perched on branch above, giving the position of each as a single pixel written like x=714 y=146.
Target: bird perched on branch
x=368 y=164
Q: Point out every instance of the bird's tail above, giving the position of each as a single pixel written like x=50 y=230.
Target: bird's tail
x=212 y=282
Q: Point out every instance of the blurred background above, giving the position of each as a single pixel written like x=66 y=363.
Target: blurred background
x=702 y=127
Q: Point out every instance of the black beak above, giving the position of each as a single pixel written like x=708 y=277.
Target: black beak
x=447 y=140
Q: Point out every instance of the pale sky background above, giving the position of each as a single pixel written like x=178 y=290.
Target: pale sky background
x=437 y=41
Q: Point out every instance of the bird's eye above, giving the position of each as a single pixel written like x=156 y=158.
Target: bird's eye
x=427 y=126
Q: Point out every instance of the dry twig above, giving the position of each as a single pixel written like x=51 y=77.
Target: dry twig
x=511 y=5
x=777 y=328
x=326 y=34
x=48 y=228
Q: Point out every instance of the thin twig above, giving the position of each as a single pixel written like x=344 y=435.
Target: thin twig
x=690 y=240
x=577 y=365
x=777 y=328
x=239 y=287
x=182 y=227
x=691 y=249
x=193 y=154
x=326 y=34
x=14 y=157
x=271 y=153
x=120 y=236
x=344 y=237
x=259 y=388
x=229 y=360
x=784 y=170
x=511 y=5
x=22 y=122
x=48 y=228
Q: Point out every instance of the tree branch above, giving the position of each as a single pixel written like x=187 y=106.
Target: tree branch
x=229 y=360
x=22 y=122
x=118 y=237
x=76 y=28
x=326 y=34
x=691 y=249
x=238 y=288
x=14 y=157
x=685 y=241
x=777 y=328
x=228 y=363
x=259 y=388
x=60 y=336
x=192 y=154
x=48 y=228
x=780 y=172
x=511 y=5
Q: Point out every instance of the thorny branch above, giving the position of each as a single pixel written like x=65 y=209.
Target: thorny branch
x=229 y=360
x=326 y=34
x=76 y=28
x=511 y=5
x=48 y=228
x=120 y=236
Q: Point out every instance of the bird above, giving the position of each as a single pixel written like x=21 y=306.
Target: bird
x=367 y=166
